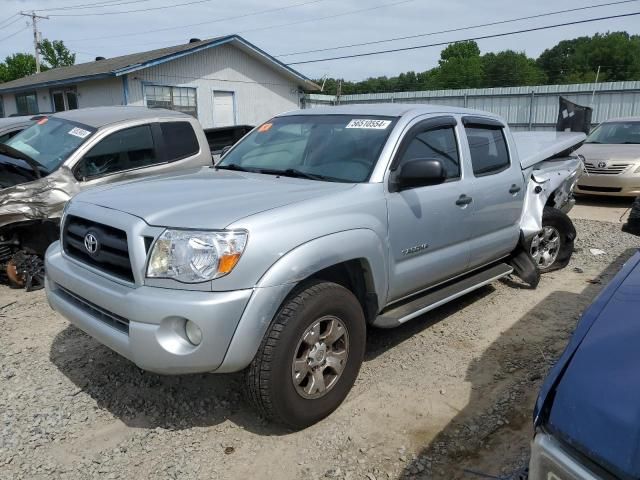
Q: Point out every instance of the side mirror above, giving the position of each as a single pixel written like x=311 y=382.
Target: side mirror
x=421 y=172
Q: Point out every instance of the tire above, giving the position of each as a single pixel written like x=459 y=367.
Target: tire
x=552 y=248
x=272 y=379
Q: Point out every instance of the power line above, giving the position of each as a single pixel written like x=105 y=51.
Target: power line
x=352 y=12
x=11 y=23
x=235 y=17
x=9 y=18
x=193 y=2
x=14 y=33
x=482 y=37
x=459 y=29
x=111 y=3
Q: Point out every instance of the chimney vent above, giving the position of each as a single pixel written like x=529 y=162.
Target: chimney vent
x=194 y=40
x=100 y=58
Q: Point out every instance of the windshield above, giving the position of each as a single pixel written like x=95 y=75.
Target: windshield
x=616 y=133
x=337 y=148
x=50 y=141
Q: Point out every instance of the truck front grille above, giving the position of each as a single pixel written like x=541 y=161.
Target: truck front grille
x=119 y=323
x=596 y=168
x=111 y=253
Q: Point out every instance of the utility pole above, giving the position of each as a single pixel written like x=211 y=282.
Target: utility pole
x=36 y=34
x=595 y=85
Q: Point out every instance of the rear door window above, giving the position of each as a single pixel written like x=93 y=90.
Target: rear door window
x=127 y=149
x=489 y=153
x=180 y=140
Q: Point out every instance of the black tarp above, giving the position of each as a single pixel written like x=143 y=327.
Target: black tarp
x=573 y=117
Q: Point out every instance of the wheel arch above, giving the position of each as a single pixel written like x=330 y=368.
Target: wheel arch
x=355 y=259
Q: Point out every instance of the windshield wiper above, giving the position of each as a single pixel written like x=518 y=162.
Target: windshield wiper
x=232 y=166
x=295 y=173
x=12 y=152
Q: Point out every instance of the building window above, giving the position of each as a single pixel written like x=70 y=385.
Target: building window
x=182 y=99
x=1 y=107
x=27 y=103
x=64 y=99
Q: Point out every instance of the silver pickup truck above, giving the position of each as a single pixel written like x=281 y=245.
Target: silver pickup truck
x=56 y=156
x=317 y=225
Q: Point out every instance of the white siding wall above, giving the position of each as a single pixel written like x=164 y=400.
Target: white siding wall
x=95 y=93
x=100 y=93
x=260 y=92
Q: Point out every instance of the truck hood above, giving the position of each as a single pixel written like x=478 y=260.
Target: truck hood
x=590 y=398
x=601 y=152
x=206 y=198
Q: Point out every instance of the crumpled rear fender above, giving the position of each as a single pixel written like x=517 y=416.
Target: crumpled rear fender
x=554 y=179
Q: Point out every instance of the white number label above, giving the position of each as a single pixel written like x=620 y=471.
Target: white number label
x=369 y=124
x=79 y=132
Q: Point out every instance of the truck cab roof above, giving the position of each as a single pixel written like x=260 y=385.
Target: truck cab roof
x=100 y=116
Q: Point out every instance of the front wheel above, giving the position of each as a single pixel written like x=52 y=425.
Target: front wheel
x=310 y=356
x=552 y=247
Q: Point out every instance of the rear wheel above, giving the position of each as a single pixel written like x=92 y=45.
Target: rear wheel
x=310 y=356
x=552 y=247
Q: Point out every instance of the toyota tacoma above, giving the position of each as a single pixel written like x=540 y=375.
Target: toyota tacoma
x=317 y=225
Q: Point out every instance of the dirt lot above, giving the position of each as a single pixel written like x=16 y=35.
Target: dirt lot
x=451 y=391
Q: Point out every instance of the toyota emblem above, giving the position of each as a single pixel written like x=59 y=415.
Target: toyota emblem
x=91 y=243
x=602 y=164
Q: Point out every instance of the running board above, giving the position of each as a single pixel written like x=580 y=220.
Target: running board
x=438 y=296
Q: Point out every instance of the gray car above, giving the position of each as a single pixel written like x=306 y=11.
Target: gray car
x=62 y=154
x=317 y=225
x=612 y=159
x=10 y=127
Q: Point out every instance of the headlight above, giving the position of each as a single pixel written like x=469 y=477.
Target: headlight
x=62 y=217
x=195 y=256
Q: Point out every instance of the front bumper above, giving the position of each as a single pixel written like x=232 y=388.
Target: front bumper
x=551 y=459
x=623 y=185
x=142 y=323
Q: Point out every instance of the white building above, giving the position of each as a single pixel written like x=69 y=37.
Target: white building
x=222 y=81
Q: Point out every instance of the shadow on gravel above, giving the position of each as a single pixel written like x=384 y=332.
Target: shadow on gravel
x=491 y=435
x=145 y=400
x=380 y=340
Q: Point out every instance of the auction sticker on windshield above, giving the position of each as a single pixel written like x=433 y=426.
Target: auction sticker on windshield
x=369 y=123
x=79 y=132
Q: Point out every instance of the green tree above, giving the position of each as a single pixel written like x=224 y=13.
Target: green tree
x=510 y=69
x=56 y=54
x=460 y=66
x=574 y=61
x=17 y=66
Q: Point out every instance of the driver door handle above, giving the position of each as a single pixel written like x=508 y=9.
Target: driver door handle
x=514 y=189
x=463 y=200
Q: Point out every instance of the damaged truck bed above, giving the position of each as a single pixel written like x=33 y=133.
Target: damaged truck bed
x=42 y=167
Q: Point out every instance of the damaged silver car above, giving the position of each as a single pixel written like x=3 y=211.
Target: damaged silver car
x=42 y=167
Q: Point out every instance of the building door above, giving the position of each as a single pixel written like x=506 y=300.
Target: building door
x=224 y=109
x=66 y=99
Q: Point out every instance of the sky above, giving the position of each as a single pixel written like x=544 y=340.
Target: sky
x=302 y=25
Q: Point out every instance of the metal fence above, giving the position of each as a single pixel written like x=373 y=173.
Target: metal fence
x=525 y=108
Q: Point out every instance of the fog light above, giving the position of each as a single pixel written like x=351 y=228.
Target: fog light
x=193 y=332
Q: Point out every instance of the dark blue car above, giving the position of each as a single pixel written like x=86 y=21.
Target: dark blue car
x=587 y=416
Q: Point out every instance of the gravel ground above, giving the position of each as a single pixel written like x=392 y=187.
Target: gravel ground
x=448 y=393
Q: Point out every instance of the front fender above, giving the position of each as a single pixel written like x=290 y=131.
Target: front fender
x=297 y=265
